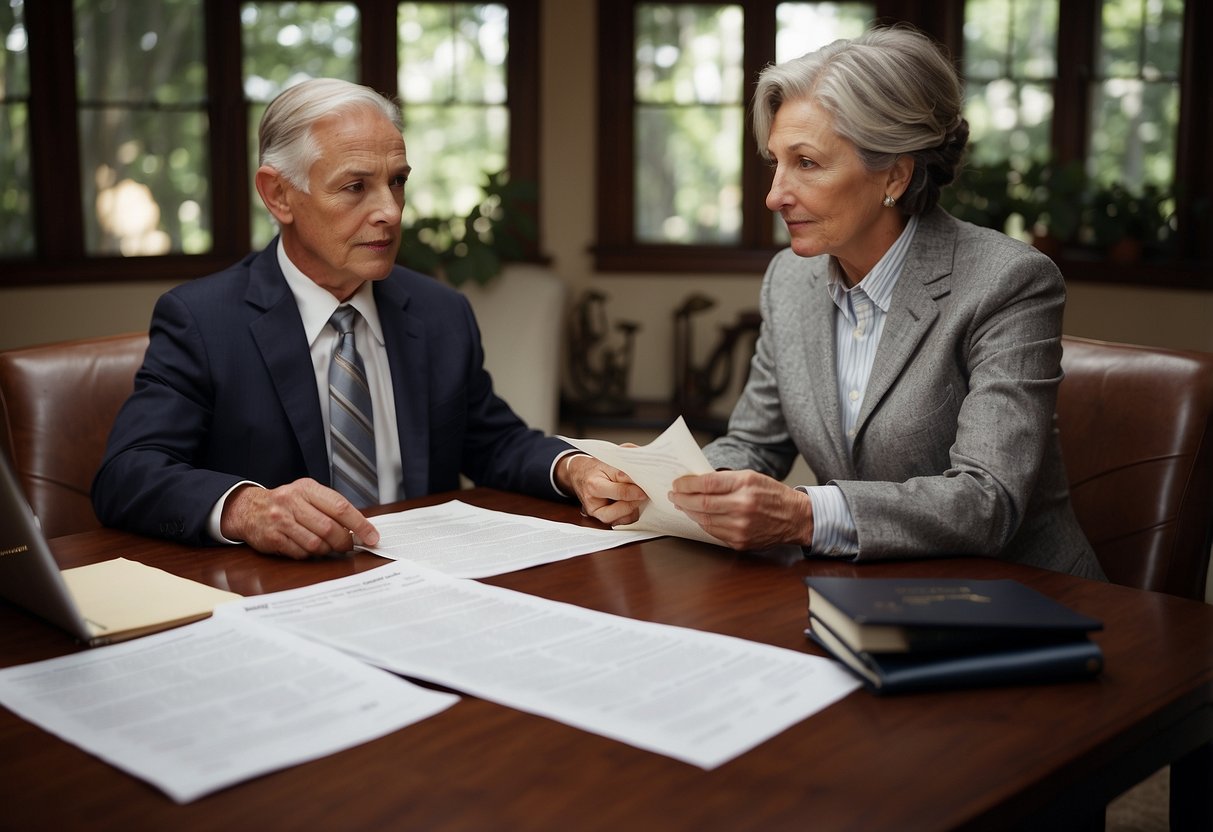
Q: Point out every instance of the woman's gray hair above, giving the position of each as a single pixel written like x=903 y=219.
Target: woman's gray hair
x=892 y=92
x=285 y=140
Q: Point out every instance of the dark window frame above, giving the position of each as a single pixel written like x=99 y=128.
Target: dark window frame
x=55 y=141
x=616 y=250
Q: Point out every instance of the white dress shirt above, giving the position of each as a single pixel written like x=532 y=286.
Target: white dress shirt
x=316 y=306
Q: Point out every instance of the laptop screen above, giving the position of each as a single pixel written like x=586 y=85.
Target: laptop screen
x=29 y=575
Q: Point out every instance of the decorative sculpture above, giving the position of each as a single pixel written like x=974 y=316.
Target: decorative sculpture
x=697 y=387
x=599 y=370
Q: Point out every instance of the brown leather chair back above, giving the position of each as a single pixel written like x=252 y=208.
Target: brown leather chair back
x=1136 y=429
x=57 y=405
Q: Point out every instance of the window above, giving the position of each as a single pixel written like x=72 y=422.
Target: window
x=1135 y=93
x=1010 y=71
x=16 y=222
x=456 y=102
x=143 y=167
x=141 y=101
x=1112 y=88
x=688 y=132
x=1104 y=166
x=284 y=43
x=694 y=197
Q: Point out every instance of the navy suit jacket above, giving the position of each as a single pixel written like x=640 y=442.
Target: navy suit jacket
x=227 y=392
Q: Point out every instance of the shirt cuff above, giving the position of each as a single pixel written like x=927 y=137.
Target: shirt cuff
x=552 y=470
x=215 y=518
x=834 y=533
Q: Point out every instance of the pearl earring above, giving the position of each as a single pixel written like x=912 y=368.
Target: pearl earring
x=888 y=201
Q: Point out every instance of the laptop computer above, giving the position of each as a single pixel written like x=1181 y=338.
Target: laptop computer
x=99 y=603
x=29 y=575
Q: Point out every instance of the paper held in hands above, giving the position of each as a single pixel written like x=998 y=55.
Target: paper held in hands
x=654 y=467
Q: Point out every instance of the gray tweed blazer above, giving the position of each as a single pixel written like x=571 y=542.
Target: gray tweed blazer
x=956 y=452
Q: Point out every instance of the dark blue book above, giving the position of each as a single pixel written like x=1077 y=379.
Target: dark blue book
x=886 y=673
x=907 y=634
x=914 y=615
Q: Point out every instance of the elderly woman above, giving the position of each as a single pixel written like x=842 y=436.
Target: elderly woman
x=911 y=358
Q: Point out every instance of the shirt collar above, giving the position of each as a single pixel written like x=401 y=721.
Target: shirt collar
x=877 y=284
x=316 y=305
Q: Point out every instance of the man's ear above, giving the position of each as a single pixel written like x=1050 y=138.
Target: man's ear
x=273 y=188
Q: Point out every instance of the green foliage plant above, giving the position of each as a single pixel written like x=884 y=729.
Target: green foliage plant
x=499 y=228
x=1051 y=200
x=1058 y=205
x=1117 y=214
x=982 y=195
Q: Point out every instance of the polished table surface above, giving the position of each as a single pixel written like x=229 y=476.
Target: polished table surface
x=1007 y=757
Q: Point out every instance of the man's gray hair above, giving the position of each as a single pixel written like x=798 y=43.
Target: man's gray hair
x=892 y=92
x=285 y=137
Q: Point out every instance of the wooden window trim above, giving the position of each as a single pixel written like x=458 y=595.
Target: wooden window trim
x=60 y=257
x=616 y=250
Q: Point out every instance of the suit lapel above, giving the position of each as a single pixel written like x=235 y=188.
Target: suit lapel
x=408 y=357
x=913 y=309
x=821 y=358
x=279 y=336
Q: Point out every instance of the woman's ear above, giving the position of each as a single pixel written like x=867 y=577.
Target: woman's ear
x=273 y=187
x=899 y=176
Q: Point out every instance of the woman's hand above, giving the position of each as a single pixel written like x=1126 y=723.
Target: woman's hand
x=745 y=509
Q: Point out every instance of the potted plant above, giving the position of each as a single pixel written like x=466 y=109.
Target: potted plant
x=1051 y=203
x=981 y=195
x=1125 y=223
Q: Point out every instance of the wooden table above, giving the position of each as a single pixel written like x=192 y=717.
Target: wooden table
x=1013 y=757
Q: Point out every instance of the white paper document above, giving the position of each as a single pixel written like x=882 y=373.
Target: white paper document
x=469 y=542
x=698 y=697
x=207 y=705
x=654 y=467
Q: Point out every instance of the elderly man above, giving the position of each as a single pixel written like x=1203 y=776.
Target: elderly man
x=315 y=378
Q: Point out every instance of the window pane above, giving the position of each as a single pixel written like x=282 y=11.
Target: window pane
x=806 y=27
x=16 y=201
x=1135 y=99
x=455 y=147
x=689 y=88
x=453 y=88
x=141 y=83
x=453 y=52
x=689 y=54
x=285 y=43
x=1010 y=71
x=688 y=182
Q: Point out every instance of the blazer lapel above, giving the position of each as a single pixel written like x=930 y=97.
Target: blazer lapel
x=913 y=309
x=279 y=336
x=409 y=359
x=821 y=358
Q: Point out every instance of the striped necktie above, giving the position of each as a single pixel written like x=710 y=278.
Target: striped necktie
x=351 y=423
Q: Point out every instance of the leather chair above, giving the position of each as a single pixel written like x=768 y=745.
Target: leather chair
x=1136 y=428
x=57 y=405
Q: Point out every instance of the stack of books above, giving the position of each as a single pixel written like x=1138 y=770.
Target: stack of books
x=906 y=634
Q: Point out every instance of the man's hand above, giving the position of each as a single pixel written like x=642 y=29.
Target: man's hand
x=300 y=520
x=606 y=494
x=745 y=509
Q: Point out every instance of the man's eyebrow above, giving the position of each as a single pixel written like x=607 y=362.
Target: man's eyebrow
x=365 y=174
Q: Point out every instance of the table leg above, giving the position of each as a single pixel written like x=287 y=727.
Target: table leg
x=1192 y=791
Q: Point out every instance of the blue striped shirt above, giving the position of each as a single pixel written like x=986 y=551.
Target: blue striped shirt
x=859 y=318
